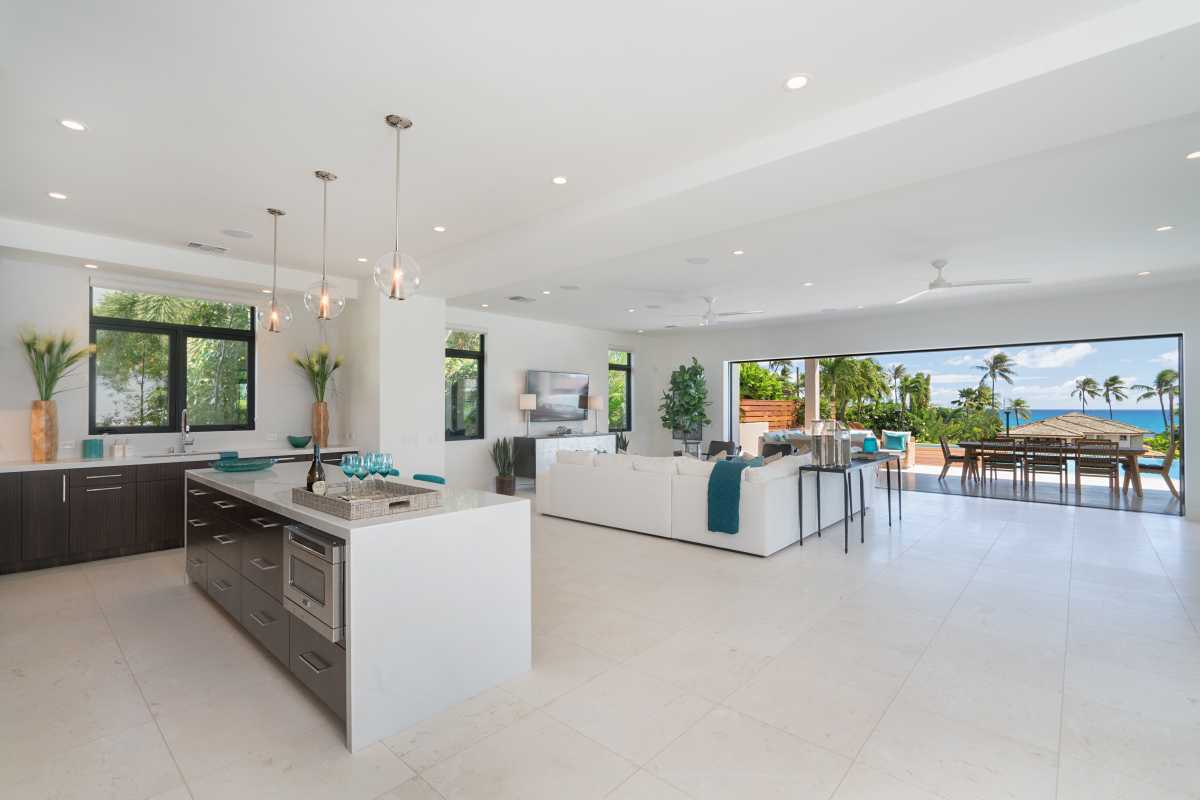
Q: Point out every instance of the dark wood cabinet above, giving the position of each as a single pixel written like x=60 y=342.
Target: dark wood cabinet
x=45 y=515
x=103 y=517
x=160 y=513
x=10 y=518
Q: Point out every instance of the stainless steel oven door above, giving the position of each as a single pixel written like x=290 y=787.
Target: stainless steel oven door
x=314 y=589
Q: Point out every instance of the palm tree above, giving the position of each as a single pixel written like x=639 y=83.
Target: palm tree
x=1166 y=384
x=1020 y=408
x=1085 y=388
x=914 y=391
x=838 y=374
x=896 y=374
x=1114 y=389
x=996 y=366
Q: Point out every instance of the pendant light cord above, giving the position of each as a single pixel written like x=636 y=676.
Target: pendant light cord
x=274 y=258
x=324 y=227
x=396 y=240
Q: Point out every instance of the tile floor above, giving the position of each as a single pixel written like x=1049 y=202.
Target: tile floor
x=980 y=649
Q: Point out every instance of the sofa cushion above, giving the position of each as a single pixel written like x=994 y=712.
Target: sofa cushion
x=614 y=461
x=664 y=465
x=582 y=458
x=694 y=467
x=782 y=468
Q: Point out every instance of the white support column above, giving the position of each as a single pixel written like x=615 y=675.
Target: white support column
x=812 y=390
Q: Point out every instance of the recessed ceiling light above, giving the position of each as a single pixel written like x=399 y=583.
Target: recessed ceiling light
x=56 y=195
x=808 y=283
x=631 y=310
x=796 y=82
x=439 y=228
x=640 y=330
x=90 y=266
x=1162 y=228
x=545 y=291
x=72 y=125
x=1143 y=273
x=1194 y=155
x=739 y=252
x=483 y=305
x=860 y=308
x=559 y=180
x=237 y=233
x=265 y=291
x=361 y=260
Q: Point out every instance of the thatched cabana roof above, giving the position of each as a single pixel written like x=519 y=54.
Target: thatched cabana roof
x=1076 y=426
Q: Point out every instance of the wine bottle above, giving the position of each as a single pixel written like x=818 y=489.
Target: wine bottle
x=316 y=472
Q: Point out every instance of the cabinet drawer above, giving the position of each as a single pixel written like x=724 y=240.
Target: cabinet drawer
x=266 y=621
x=262 y=559
x=231 y=508
x=225 y=541
x=197 y=564
x=101 y=476
x=225 y=586
x=198 y=493
x=319 y=664
x=168 y=471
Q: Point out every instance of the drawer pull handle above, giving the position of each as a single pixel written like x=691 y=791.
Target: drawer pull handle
x=98 y=477
x=197 y=523
x=221 y=538
x=222 y=585
x=315 y=662
x=195 y=562
x=260 y=616
x=265 y=523
x=263 y=564
x=224 y=505
x=197 y=493
x=105 y=489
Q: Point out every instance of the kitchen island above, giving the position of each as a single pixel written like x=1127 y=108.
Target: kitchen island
x=435 y=605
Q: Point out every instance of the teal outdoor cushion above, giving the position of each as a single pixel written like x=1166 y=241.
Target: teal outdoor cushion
x=895 y=441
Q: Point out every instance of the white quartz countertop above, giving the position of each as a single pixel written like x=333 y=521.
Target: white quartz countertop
x=272 y=489
x=137 y=460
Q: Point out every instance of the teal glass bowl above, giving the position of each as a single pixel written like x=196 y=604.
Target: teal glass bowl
x=299 y=441
x=242 y=464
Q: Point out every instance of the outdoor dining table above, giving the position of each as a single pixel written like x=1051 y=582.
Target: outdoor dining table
x=1128 y=455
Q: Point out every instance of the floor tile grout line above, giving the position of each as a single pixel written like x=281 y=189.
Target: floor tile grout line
x=154 y=717
x=1062 y=691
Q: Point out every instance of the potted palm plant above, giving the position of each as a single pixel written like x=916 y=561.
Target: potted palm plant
x=51 y=360
x=319 y=367
x=502 y=458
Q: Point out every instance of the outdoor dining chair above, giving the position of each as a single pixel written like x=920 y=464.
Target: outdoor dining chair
x=1046 y=457
x=996 y=457
x=1098 y=458
x=948 y=458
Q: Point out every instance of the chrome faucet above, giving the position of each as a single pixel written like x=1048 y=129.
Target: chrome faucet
x=185 y=438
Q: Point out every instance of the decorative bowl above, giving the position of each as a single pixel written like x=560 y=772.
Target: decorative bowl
x=299 y=442
x=242 y=464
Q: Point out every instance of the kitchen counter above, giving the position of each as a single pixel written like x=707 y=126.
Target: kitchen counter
x=135 y=460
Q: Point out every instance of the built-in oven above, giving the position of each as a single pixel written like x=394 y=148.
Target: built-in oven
x=314 y=583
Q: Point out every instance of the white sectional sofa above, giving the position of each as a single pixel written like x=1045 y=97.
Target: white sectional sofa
x=669 y=497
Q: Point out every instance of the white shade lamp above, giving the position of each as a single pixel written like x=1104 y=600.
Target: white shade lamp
x=527 y=403
x=596 y=402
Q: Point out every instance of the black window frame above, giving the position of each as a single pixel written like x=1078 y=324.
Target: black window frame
x=178 y=336
x=480 y=357
x=628 y=370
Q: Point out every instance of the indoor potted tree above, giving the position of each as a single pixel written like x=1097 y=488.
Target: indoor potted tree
x=319 y=367
x=51 y=360
x=502 y=458
x=685 y=403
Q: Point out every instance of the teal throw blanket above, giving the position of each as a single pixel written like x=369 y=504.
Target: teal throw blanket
x=725 y=495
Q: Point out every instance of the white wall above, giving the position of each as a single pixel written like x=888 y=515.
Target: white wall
x=513 y=346
x=412 y=349
x=54 y=298
x=1133 y=309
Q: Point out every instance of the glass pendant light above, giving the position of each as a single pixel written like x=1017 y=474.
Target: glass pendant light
x=397 y=275
x=277 y=316
x=322 y=299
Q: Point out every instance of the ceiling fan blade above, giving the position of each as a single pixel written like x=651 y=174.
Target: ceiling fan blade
x=913 y=296
x=738 y=313
x=997 y=282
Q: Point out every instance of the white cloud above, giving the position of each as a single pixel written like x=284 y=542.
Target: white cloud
x=1052 y=356
x=1169 y=358
x=969 y=378
x=961 y=361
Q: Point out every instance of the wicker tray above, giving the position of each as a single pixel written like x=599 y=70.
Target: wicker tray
x=390 y=500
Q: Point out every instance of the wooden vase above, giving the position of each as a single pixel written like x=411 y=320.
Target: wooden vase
x=506 y=484
x=320 y=423
x=43 y=431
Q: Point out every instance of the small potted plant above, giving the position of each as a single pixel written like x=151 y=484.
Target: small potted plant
x=622 y=443
x=502 y=457
x=51 y=360
x=319 y=367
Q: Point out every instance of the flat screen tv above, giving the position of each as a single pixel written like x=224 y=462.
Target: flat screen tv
x=561 y=396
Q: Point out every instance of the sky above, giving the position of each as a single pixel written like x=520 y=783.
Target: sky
x=1046 y=374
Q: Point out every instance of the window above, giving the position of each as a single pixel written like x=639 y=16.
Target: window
x=464 y=385
x=620 y=390
x=158 y=354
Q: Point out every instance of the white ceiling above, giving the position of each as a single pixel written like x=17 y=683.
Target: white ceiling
x=668 y=118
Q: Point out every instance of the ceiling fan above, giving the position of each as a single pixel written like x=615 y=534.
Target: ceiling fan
x=940 y=282
x=711 y=317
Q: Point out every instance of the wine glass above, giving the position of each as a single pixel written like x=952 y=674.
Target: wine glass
x=384 y=466
x=350 y=469
x=362 y=468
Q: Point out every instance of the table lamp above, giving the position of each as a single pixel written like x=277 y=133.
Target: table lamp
x=527 y=403
x=595 y=402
